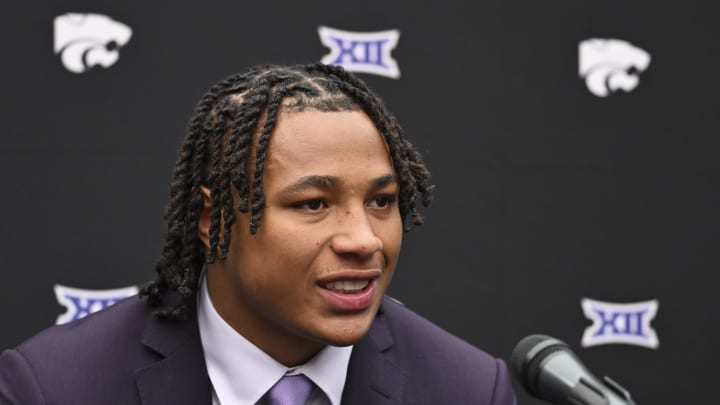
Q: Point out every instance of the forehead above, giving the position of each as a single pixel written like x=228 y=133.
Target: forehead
x=314 y=142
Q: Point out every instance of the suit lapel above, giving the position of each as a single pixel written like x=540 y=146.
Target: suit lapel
x=180 y=376
x=373 y=378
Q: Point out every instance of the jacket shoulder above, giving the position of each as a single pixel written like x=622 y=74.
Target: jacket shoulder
x=90 y=355
x=97 y=332
x=442 y=366
x=414 y=332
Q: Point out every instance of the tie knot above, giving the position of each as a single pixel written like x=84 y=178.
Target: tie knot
x=290 y=390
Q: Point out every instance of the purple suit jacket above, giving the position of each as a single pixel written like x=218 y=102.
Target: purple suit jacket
x=124 y=355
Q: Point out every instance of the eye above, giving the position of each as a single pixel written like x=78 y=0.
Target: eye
x=383 y=201
x=311 y=205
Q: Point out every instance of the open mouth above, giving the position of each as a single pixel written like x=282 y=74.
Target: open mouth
x=348 y=294
x=346 y=286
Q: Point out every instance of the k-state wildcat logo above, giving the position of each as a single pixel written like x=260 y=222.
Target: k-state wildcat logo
x=620 y=323
x=87 y=40
x=366 y=52
x=609 y=65
x=80 y=303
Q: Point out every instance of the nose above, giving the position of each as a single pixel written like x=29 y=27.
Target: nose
x=355 y=235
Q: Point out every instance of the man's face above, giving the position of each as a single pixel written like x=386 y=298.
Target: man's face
x=317 y=268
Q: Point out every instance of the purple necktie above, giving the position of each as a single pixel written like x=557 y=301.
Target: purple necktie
x=290 y=390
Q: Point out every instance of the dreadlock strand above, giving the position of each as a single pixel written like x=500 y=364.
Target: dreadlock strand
x=213 y=182
x=251 y=111
x=258 y=200
x=244 y=123
x=271 y=112
x=274 y=107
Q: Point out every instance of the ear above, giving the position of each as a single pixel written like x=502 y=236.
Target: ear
x=204 y=221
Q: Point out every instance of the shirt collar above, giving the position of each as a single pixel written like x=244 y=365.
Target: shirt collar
x=241 y=373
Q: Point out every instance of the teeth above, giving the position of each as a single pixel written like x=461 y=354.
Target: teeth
x=347 y=285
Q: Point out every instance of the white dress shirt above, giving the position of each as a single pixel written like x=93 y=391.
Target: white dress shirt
x=242 y=374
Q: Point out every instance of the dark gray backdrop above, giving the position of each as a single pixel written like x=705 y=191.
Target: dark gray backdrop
x=545 y=192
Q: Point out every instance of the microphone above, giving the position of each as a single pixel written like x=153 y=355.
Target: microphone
x=549 y=370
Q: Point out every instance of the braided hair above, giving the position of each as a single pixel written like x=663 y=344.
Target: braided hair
x=235 y=118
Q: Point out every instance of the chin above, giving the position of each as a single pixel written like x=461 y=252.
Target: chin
x=346 y=340
x=346 y=333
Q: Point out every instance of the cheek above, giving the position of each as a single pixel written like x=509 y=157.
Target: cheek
x=391 y=235
x=290 y=252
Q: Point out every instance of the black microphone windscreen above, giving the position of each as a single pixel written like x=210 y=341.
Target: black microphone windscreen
x=526 y=359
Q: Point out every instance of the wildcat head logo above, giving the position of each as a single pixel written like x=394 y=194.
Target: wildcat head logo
x=81 y=303
x=87 y=40
x=609 y=65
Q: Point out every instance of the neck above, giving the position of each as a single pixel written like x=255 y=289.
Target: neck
x=284 y=345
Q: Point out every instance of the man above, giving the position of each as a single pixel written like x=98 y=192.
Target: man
x=287 y=208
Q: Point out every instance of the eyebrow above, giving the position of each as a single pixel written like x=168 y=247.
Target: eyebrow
x=329 y=182
x=383 y=181
x=307 y=182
